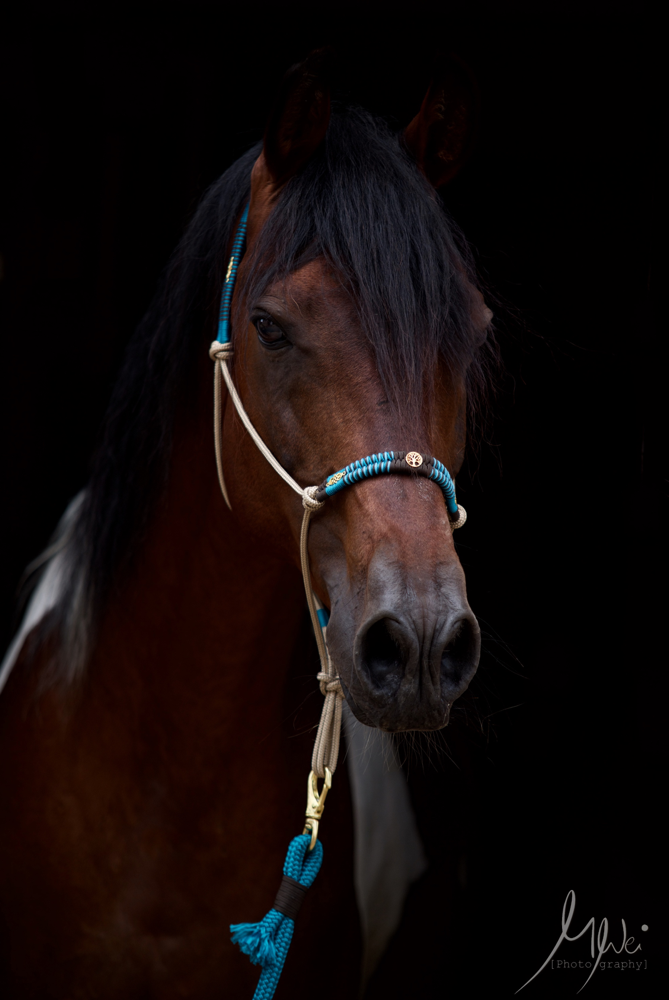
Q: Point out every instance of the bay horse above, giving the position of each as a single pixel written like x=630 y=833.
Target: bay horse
x=159 y=704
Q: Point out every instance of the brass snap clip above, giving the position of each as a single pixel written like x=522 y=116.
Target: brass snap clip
x=316 y=804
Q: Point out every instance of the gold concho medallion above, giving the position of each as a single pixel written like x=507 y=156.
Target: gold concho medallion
x=335 y=479
x=414 y=459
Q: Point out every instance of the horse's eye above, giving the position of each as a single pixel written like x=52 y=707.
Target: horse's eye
x=269 y=334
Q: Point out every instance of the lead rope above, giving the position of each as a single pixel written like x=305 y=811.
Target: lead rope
x=267 y=942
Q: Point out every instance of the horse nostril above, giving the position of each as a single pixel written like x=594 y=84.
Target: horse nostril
x=459 y=658
x=382 y=655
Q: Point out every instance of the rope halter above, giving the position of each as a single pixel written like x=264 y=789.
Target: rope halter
x=326 y=747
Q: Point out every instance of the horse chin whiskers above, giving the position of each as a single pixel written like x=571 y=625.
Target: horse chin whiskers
x=422 y=749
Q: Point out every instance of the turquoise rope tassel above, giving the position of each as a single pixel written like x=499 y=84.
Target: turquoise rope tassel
x=267 y=942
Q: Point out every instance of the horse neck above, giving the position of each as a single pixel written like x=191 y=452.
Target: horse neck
x=206 y=626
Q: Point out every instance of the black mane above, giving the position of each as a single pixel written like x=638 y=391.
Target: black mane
x=360 y=202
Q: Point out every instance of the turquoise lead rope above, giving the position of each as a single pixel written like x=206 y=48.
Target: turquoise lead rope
x=267 y=942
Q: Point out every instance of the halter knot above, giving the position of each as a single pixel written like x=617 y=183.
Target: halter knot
x=220 y=352
x=462 y=517
x=329 y=684
x=309 y=501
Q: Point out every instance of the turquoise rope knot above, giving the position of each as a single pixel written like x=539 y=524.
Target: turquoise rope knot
x=267 y=942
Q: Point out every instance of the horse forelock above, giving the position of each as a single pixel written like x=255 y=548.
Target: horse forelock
x=362 y=204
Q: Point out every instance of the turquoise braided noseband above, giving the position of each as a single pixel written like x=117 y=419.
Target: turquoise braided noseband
x=393 y=463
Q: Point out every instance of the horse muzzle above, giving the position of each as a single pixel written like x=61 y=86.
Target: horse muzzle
x=409 y=650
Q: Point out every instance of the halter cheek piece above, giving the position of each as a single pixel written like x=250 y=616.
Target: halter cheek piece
x=326 y=747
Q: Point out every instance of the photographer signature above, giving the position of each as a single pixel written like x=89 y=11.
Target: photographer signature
x=602 y=942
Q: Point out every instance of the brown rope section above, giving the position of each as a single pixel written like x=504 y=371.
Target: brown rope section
x=290 y=897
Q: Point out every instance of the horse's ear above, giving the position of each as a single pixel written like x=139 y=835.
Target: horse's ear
x=300 y=117
x=441 y=136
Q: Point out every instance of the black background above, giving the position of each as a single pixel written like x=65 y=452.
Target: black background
x=115 y=121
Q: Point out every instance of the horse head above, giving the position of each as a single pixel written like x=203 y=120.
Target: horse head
x=356 y=326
